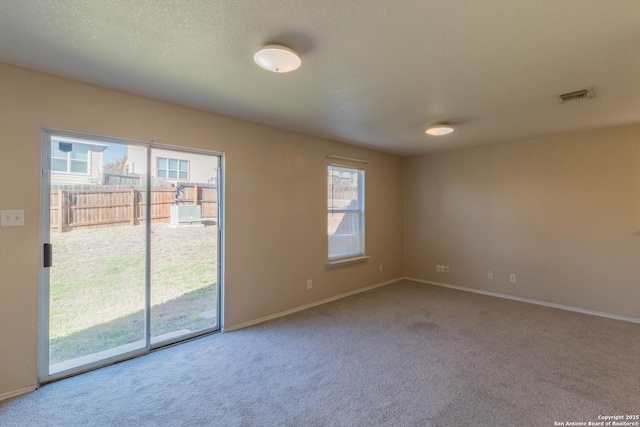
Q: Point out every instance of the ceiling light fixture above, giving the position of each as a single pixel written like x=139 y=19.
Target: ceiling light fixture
x=439 y=129
x=276 y=58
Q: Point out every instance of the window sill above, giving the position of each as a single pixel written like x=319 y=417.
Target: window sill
x=340 y=261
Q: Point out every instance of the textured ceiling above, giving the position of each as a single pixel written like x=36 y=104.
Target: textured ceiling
x=374 y=73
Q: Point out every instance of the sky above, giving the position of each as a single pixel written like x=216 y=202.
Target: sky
x=113 y=153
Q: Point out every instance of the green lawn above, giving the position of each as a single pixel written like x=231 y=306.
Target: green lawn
x=97 y=289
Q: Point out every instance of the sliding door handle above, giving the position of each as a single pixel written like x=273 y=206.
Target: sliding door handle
x=48 y=255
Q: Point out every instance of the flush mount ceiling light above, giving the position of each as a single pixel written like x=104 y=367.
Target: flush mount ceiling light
x=276 y=58
x=439 y=129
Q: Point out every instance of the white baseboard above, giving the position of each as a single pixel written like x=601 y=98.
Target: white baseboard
x=530 y=301
x=18 y=392
x=304 y=307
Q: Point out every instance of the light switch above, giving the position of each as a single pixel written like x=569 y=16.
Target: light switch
x=14 y=218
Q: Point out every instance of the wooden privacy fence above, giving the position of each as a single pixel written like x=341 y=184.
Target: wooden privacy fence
x=73 y=208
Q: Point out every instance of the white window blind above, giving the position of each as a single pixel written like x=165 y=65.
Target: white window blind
x=345 y=214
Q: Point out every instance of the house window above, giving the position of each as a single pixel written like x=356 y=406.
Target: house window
x=74 y=158
x=345 y=215
x=173 y=168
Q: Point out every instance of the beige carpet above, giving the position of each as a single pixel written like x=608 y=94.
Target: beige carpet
x=407 y=354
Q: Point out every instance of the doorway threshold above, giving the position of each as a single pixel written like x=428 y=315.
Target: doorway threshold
x=95 y=357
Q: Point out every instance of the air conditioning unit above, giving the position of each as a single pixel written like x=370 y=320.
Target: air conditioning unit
x=185 y=215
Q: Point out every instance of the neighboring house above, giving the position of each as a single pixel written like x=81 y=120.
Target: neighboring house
x=76 y=161
x=172 y=165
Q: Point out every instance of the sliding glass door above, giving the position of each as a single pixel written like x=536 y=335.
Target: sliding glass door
x=130 y=242
x=97 y=287
x=184 y=246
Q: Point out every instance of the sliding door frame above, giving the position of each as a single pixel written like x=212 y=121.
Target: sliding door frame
x=44 y=280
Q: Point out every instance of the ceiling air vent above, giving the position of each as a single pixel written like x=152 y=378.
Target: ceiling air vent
x=580 y=95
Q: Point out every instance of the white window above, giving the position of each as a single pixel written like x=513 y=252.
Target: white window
x=69 y=158
x=173 y=168
x=345 y=216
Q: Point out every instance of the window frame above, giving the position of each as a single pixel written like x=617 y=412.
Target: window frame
x=333 y=259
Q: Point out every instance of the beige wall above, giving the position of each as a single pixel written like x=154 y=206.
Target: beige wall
x=275 y=240
x=562 y=213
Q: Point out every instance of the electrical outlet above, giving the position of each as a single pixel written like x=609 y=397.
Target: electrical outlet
x=440 y=268
x=380 y=267
x=309 y=284
x=445 y=268
x=13 y=218
x=490 y=275
x=512 y=278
